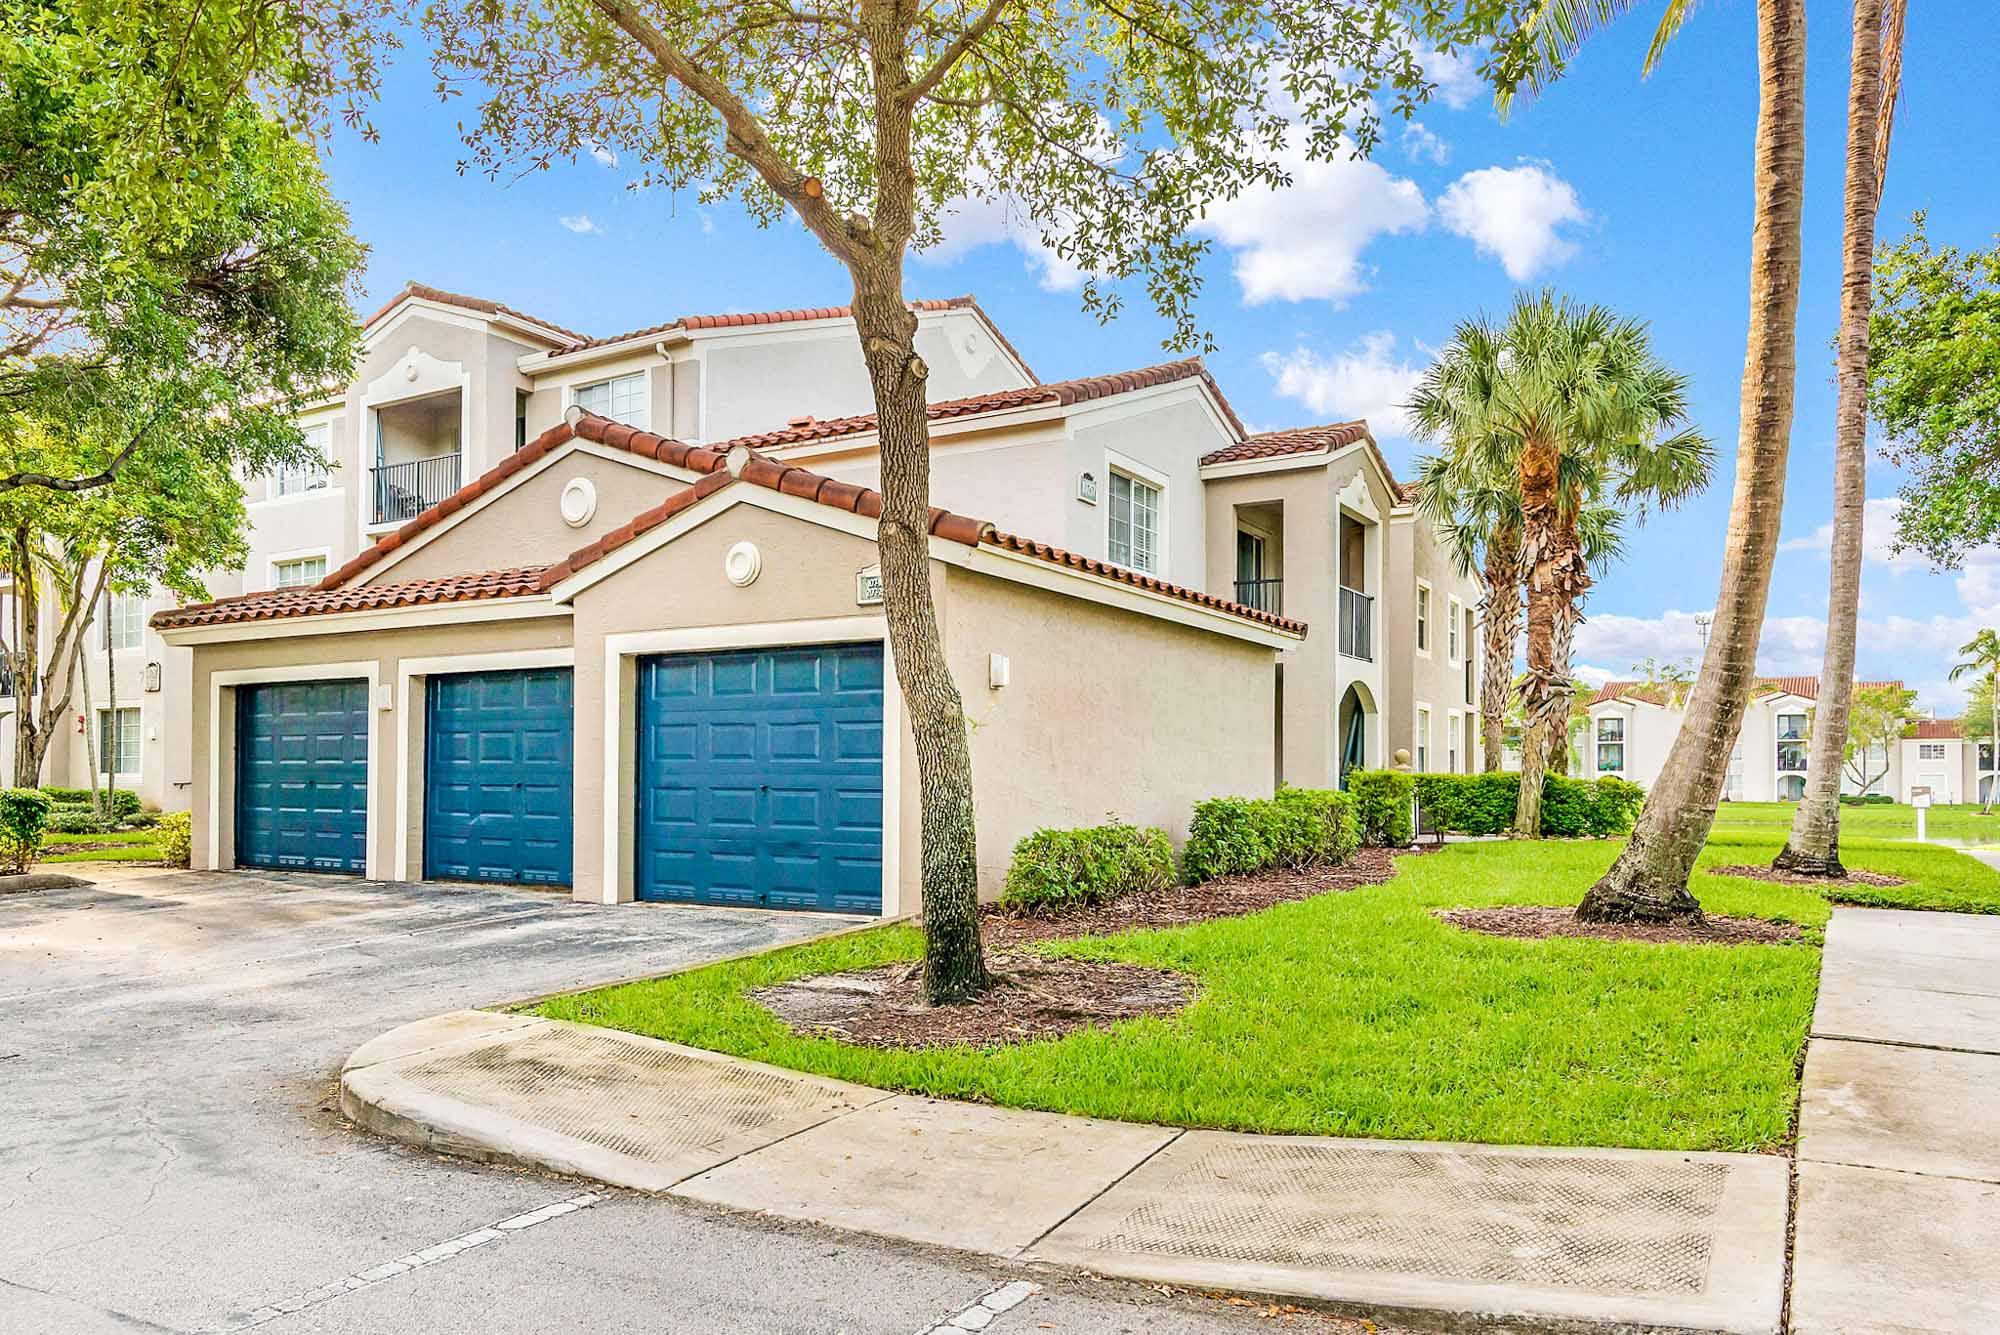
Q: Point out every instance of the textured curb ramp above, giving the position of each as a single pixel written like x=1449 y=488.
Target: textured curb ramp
x=1558 y=1239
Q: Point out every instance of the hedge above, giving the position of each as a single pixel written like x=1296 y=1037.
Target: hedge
x=1482 y=804
x=24 y=815
x=176 y=837
x=1300 y=827
x=1059 y=869
x=123 y=806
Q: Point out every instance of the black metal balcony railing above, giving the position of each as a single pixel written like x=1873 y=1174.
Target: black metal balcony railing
x=1266 y=595
x=1792 y=760
x=1357 y=624
x=405 y=490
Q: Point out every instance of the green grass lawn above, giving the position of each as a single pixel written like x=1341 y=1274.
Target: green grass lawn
x=1878 y=820
x=1361 y=1015
x=128 y=846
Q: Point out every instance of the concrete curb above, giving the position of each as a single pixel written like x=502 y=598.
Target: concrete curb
x=1050 y=1189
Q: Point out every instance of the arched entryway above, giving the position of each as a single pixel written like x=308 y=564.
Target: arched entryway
x=1355 y=732
x=1791 y=787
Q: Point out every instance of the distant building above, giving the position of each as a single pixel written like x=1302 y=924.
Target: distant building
x=1937 y=755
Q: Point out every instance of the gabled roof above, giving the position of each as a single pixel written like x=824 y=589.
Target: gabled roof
x=1065 y=393
x=479 y=305
x=744 y=465
x=1805 y=688
x=1937 y=729
x=1299 y=440
x=319 y=601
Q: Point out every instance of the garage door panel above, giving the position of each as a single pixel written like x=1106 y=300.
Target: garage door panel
x=302 y=775
x=498 y=802
x=776 y=798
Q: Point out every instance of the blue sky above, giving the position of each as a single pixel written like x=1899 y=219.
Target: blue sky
x=1327 y=302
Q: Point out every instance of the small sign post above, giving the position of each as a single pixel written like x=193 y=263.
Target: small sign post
x=1920 y=798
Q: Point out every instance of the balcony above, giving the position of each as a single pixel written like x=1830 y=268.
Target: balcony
x=405 y=490
x=1357 y=625
x=1792 y=758
x=1266 y=595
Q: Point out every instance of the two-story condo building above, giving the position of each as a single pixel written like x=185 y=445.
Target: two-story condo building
x=603 y=612
x=1938 y=757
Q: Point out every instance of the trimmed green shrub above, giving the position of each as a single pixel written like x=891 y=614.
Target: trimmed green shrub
x=1300 y=827
x=176 y=837
x=24 y=815
x=1469 y=803
x=1381 y=800
x=124 y=804
x=1059 y=869
x=1617 y=807
x=77 y=820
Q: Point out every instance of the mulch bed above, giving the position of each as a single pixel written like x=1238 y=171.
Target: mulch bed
x=1765 y=873
x=1179 y=905
x=1032 y=998
x=1540 y=924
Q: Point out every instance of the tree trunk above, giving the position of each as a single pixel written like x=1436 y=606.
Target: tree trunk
x=1814 y=846
x=1993 y=740
x=1649 y=882
x=111 y=709
x=954 y=964
x=1544 y=690
x=1502 y=626
x=97 y=800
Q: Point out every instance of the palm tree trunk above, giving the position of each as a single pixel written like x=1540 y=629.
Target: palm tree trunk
x=1814 y=845
x=1649 y=881
x=1544 y=692
x=1502 y=626
x=1993 y=740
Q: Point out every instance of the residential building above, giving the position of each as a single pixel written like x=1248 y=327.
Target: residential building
x=1937 y=756
x=479 y=449
x=1633 y=725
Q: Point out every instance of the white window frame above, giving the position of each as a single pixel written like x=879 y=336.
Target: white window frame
x=1426 y=608
x=644 y=420
x=116 y=603
x=278 y=563
x=1930 y=750
x=1423 y=737
x=1454 y=723
x=104 y=760
x=1454 y=652
x=296 y=480
x=1119 y=466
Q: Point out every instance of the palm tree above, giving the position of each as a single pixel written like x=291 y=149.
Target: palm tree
x=1649 y=881
x=1569 y=402
x=1479 y=520
x=1813 y=847
x=1982 y=655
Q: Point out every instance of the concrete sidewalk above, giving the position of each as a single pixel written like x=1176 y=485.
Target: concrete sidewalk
x=1560 y=1238
x=1899 y=1129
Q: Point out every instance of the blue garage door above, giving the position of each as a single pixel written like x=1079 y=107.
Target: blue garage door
x=302 y=775
x=497 y=776
x=760 y=778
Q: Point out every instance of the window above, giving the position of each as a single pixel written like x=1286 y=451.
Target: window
x=118 y=741
x=1791 y=727
x=1451 y=649
x=1610 y=757
x=622 y=399
x=1611 y=728
x=1451 y=745
x=298 y=479
x=298 y=573
x=1930 y=750
x=1423 y=740
x=1135 y=524
x=1423 y=618
x=125 y=621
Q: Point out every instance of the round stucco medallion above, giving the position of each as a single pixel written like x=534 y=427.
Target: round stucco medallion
x=742 y=564
x=578 y=501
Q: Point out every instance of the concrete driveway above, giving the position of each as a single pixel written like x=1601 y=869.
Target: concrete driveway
x=170 y=1159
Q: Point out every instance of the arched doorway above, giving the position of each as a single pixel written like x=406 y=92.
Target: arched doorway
x=1791 y=787
x=1355 y=732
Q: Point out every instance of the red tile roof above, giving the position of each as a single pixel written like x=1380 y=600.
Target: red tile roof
x=1806 y=688
x=424 y=292
x=476 y=586
x=1293 y=440
x=1937 y=729
x=803 y=430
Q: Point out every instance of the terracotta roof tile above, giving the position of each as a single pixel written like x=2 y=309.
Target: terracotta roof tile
x=1937 y=729
x=1806 y=688
x=1309 y=440
x=273 y=604
x=424 y=292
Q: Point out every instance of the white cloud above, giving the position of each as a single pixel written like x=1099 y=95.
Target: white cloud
x=1456 y=76
x=605 y=157
x=1513 y=214
x=1423 y=145
x=1304 y=242
x=975 y=222
x=1367 y=380
x=580 y=223
x=1878 y=536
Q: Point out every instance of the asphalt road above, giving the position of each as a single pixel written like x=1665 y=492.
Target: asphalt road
x=171 y=1158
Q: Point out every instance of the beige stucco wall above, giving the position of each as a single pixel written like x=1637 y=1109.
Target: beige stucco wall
x=1434 y=679
x=386 y=649
x=1075 y=738
x=524 y=525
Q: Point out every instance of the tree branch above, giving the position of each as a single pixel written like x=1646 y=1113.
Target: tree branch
x=747 y=138
x=90 y=483
x=952 y=54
